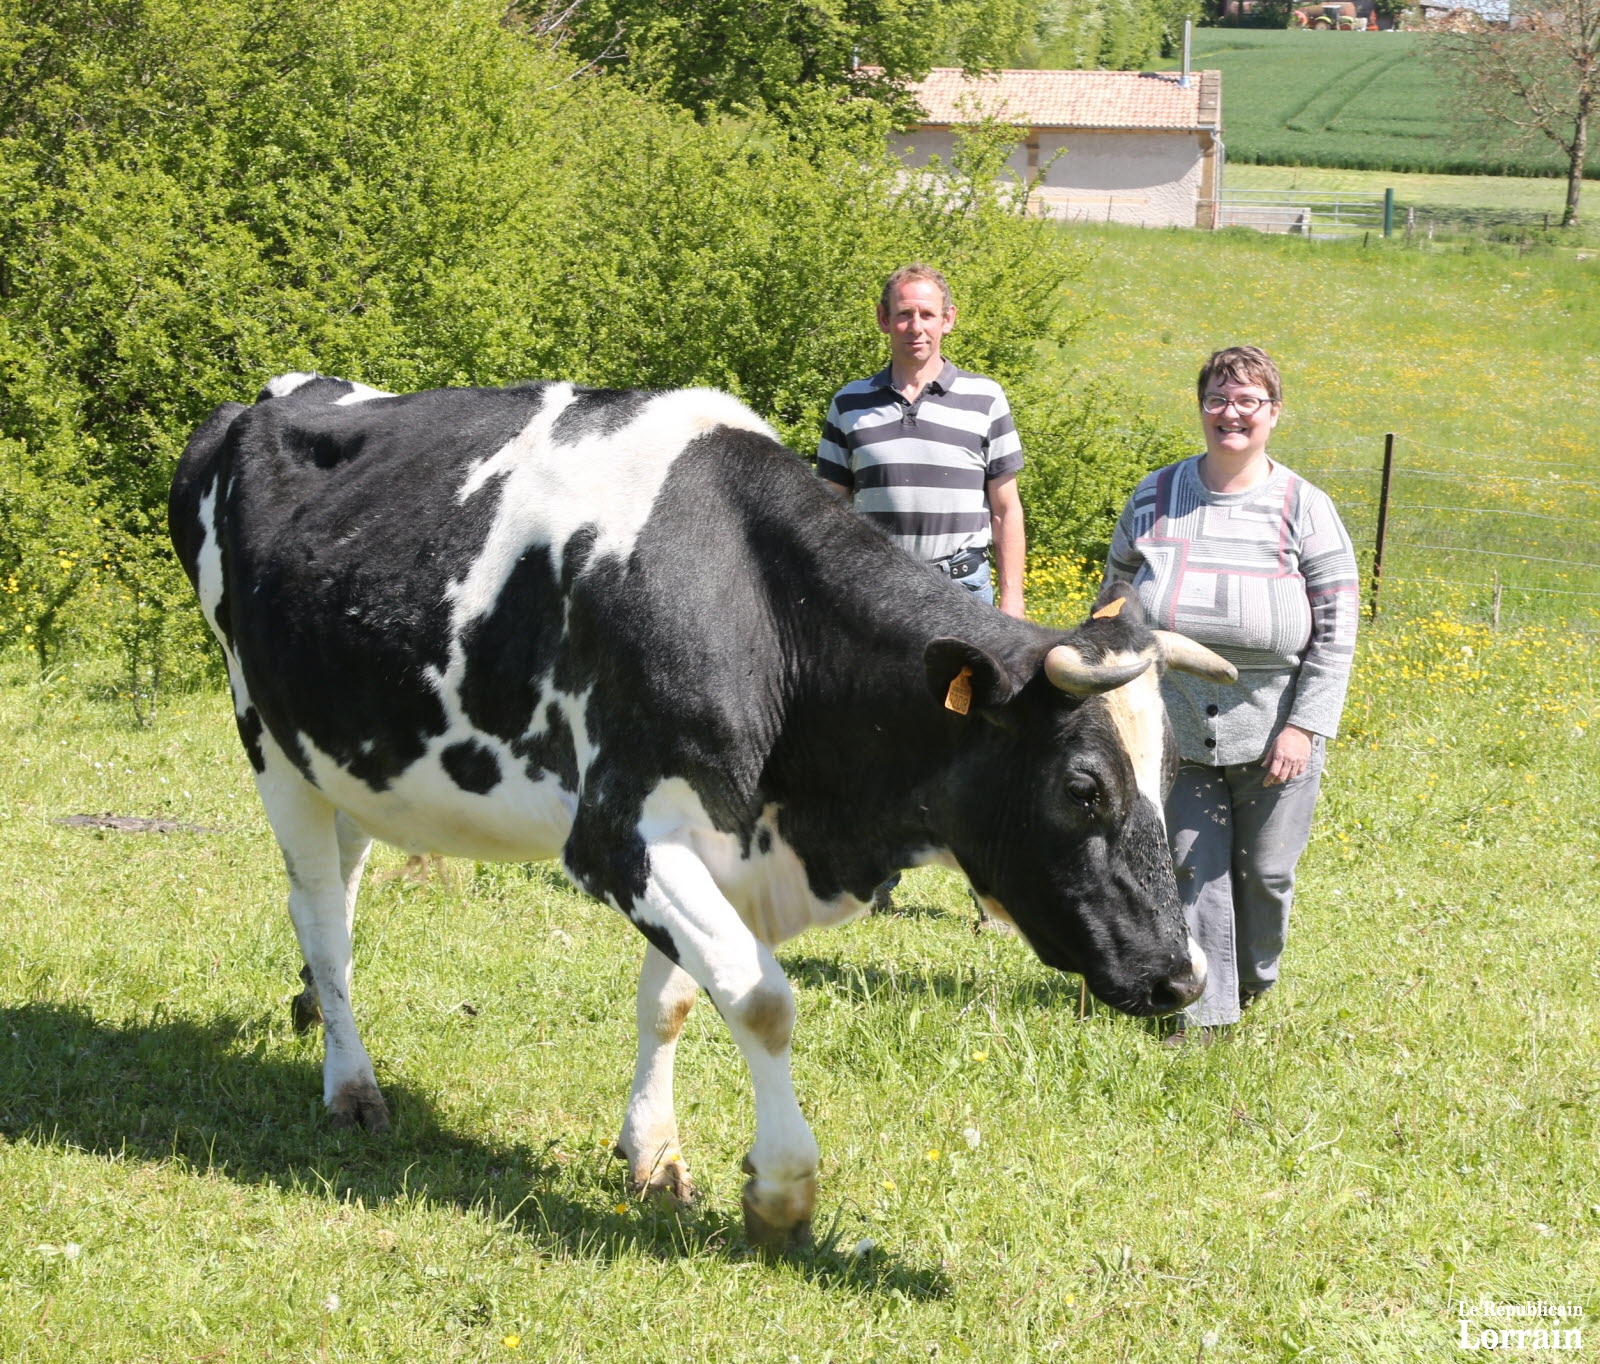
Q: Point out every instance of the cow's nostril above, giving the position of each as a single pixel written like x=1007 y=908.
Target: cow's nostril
x=1179 y=990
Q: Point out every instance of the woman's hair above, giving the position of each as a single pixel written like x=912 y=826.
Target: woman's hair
x=1241 y=365
x=916 y=270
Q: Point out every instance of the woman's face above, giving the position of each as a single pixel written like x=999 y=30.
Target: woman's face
x=1231 y=434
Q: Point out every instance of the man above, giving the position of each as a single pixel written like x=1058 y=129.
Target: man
x=929 y=451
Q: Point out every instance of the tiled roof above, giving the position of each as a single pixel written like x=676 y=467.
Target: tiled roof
x=1073 y=99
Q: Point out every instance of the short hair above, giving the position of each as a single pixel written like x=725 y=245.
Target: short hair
x=916 y=270
x=1241 y=365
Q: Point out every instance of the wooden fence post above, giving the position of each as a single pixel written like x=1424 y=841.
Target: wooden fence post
x=1383 y=520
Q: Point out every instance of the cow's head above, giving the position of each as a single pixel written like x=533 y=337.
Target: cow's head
x=1063 y=769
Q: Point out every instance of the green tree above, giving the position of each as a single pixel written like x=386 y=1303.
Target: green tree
x=719 y=54
x=1533 y=80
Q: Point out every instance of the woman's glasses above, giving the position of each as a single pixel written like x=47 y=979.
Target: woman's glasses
x=1245 y=406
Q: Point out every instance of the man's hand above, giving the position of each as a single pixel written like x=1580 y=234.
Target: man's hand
x=1288 y=756
x=1010 y=542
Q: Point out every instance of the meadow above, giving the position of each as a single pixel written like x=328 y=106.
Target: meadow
x=1404 y=1127
x=1362 y=101
x=1485 y=364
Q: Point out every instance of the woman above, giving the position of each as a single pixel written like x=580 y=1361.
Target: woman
x=1234 y=550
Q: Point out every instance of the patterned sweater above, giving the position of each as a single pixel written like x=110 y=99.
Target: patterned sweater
x=1267 y=578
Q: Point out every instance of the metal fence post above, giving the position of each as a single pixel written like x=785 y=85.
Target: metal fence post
x=1388 y=213
x=1383 y=520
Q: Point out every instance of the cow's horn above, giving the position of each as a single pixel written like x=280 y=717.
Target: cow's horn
x=1186 y=656
x=1066 y=669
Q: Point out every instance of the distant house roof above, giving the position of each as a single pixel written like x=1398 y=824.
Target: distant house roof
x=1072 y=99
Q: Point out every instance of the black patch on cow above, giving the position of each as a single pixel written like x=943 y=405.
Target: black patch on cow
x=250 y=736
x=471 y=766
x=575 y=558
x=658 y=938
x=552 y=750
x=764 y=840
x=595 y=413
x=510 y=649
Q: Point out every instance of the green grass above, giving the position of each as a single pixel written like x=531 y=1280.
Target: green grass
x=1367 y=101
x=1485 y=364
x=1407 y=1124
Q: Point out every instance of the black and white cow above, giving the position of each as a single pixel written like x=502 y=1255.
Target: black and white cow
x=633 y=631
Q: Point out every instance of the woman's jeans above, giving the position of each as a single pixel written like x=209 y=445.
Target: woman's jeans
x=1235 y=842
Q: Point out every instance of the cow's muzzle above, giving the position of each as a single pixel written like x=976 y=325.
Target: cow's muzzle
x=1183 y=987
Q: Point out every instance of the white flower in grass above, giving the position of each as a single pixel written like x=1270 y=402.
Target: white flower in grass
x=972 y=1137
x=331 y=1303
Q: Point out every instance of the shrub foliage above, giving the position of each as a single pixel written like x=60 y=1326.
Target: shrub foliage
x=410 y=195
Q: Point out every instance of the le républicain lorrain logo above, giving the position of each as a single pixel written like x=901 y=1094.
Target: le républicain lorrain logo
x=1489 y=1325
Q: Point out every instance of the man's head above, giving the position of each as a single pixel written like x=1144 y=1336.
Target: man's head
x=916 y=313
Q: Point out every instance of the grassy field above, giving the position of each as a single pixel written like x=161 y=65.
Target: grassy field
x=1405 y=1127
x=1356 y=100
x=1486 y=365
x=1408 y=1125
x=1442 y=203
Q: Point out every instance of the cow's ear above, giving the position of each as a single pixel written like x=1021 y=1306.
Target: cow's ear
x=963 y=678
x=1117 y=601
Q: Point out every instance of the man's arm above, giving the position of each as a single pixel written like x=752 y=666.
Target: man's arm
x=1010 y=541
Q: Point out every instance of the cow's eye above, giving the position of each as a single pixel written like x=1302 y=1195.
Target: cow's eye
x=1083 y=788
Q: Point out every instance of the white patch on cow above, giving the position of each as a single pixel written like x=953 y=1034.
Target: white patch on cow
x=770 y=890
x=608 y=481
x=1198 y=964
x=424 y=811
x=285 y=384
x=209 y=589
x=359 y=393
x=1139 y=716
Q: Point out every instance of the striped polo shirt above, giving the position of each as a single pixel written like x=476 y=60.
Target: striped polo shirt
x=920 y=469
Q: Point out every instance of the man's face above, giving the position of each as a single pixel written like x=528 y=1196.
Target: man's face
x=916 y=321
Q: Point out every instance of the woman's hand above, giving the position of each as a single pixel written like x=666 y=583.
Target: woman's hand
x=1288 y=756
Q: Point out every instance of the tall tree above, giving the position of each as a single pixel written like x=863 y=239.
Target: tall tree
x=726 y=54
x=1536 y=78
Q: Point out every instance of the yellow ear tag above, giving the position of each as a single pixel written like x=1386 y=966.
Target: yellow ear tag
x=1110 y=609
x=959 y=697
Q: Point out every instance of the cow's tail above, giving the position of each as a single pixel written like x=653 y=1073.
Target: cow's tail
x=195 y=474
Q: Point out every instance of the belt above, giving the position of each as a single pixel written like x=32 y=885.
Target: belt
x=964 y=564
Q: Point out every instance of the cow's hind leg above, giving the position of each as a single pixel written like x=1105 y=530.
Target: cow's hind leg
x=305 y=1012
x=748 y=987
x=323 y=860
x=649 y=1140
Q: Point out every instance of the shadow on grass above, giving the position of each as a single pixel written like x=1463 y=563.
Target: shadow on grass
x=208 y=1096
x=869 y=984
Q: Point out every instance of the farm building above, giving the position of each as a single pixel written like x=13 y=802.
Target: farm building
x=1135 y=147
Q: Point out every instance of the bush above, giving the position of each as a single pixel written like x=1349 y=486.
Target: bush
x=411 y=196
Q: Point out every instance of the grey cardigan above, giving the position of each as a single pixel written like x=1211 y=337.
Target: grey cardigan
x=1267 y=578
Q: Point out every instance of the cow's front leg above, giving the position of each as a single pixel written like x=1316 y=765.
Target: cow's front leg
x=649 y=1140
x=682 y=906
x=324 y=864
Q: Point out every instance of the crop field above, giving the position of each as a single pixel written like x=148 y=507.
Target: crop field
x=1358 y=100
x=1485 y=365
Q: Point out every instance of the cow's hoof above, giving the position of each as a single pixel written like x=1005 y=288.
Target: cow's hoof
x=359 y=1104
x=775 y=1224
x=304 y=1011
x=667 y=1180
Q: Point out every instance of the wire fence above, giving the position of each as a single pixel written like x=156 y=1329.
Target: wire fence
x=1512 y=543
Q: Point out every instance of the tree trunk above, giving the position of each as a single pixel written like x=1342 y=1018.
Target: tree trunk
x=1580 y=151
